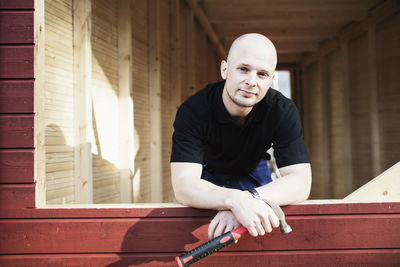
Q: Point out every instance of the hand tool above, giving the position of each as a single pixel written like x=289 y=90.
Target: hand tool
x=228 y=238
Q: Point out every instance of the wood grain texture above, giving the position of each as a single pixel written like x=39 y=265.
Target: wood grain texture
x=135 y=235
x=16 y=4
x=16 y=61
x=16 y=166
x=16 y=131
x=369 y=257
x=16 y=96
x=15 y=197
x=16 y=27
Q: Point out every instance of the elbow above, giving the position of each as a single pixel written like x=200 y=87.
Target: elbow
x=306 y=188
x=181 y=195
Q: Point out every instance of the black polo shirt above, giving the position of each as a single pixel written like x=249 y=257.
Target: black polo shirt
x=204 y=132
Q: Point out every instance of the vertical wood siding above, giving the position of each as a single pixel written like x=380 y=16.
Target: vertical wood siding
x=353 y=132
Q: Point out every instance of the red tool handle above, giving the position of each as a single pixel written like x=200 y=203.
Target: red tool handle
x=210 y=247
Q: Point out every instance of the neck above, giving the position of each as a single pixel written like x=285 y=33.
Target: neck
x=233 y=109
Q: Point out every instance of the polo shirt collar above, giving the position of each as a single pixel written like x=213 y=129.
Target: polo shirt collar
x=221 y=113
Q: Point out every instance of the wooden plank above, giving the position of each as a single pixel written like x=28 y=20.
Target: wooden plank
x=348 y=152
x=16 y=27
x=39 y=105
x=139 y=235
x=16 y=131
x=388 y=55
x=126 y=110
x=326 y=121
x=83 y=101
x=374 y=105
x=176 y=210
x=205 y=23
x=155 y=101
x=190 y=55
x=16 y=61
x=385 y=187
x=16 y=166
x=16 y=96
x=369 y=257
x=15 y=197
x=16 y=4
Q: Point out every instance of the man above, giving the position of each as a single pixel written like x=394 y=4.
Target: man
x=222 y=134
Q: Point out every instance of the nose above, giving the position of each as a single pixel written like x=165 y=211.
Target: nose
x=251 y=80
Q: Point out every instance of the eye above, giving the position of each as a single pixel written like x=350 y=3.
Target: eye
x=263 y=74
x=243 y=69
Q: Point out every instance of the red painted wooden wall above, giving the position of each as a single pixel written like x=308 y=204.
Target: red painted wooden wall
x=334 y=234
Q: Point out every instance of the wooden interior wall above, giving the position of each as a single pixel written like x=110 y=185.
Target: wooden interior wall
x=172 y=58
x=388 y=79
x=140 y=95
x=104 y=92
x=59 y=102
x=351 y=118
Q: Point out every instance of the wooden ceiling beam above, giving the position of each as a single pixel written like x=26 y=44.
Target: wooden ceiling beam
x=294 y=32
x=288 y=46
x=205 y=23
x=228 y=3
x=234 y=14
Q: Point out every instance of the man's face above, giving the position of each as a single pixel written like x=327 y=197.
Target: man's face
x=248 y=73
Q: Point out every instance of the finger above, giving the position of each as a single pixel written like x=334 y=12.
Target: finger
x=219 y=230
x=267 y=225
x=260 y=228
x=252 y=230
x=211 y=227
x=273 y=219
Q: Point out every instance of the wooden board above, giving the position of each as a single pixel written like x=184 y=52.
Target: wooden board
x=16 y=96
x=16 y=27
x=16 y=131
x=139 y=235
x=16 y=61
x=16 y=166
x=368 y=257
x=16 y=4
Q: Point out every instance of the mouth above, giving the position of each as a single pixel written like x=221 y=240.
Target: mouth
x=247 y=93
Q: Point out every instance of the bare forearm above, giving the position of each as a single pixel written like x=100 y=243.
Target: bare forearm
x=291 y=188
x=202 y=194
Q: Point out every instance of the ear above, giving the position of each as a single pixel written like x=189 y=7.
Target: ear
x=224 y=69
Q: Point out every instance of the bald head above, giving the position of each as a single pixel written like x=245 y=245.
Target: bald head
x=253 y=43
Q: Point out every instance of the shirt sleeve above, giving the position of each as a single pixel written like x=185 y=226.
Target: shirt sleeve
x=288 y=142
x=187 y=143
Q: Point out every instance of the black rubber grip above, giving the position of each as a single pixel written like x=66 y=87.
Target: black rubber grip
x=206 y=249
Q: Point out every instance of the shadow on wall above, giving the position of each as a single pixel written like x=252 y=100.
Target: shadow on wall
x=60 y=171
x=146 y=244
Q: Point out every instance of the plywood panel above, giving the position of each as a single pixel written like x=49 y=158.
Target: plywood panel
x=359 y=110
x=388 y=79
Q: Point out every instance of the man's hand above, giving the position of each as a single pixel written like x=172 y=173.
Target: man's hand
x=222 y=223
x=254 y=214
